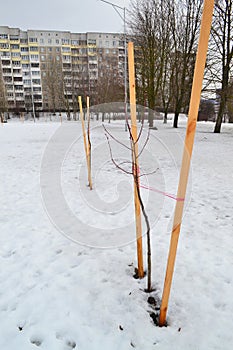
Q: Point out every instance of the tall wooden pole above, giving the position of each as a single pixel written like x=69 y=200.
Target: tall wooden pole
x=88 y=144
x=187 y=153
x=83 y=127
x=132 y=93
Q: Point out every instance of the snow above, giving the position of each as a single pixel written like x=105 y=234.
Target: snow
x=68 y=254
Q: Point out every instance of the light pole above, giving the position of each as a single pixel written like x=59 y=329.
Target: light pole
x=116 y=8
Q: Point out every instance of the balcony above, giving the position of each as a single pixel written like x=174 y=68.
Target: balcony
x=5 y=55
x=17 y=75
x=6 y=74
x=18 y=86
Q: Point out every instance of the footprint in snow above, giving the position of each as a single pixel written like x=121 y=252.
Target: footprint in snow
x=36 y=341
x=70 y=343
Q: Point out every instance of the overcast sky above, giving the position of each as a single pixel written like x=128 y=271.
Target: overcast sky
x=71 y=15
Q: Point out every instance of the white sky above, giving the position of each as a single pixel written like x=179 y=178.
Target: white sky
x=71 y=15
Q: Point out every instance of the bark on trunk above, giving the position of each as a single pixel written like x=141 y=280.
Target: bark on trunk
x=175 y=122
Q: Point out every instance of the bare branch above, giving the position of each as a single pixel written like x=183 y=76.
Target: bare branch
x=112 y=137
x=145 y=143
x=150 y=173
x=113 y=160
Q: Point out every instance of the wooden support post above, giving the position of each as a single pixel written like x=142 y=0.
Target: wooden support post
x=187 y=153
x=88 y=143
x=83 y=127
x=132 y=93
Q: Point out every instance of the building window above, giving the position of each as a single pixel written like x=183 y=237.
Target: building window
x=3 y=36
x=24 y=49
x=107 y=43
x=66 y=49
x=74 y=42
x=33 y=40
x=66 y=58
x=41 y=40
x=57 y=49
x=14 y=47
x=58 y=58
x=57 y=41
x=25 y=57
x=34 y=57
x=34 y=65
x=23 y=41
x=92 y=42
x=50 y=41
x=65 y=41
x=27 y=82
x=4 y=46
x=16 y=63
x=42 y=49
x=49 y=49
x=33 y=48
x=5 y=54
x=15 y=54
x=36 y=81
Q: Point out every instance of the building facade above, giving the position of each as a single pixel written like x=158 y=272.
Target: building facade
x=47 y=70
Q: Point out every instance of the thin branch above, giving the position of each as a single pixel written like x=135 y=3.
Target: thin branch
x=150 y=173
x=112 y=137
x=113 y=160
x=140 y=132
x=146 y=141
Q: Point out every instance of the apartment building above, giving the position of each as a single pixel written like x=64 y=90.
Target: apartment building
x=32 y=61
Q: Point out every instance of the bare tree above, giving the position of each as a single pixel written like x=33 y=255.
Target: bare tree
x=230 y=103
x=52 y=83
x=109 y=87
x=134 y=171
x=222 y=44
x=166 y=35
x=144 y=27
x=185 y=27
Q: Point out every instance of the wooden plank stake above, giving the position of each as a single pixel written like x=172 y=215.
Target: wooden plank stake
x=187 y=153
x=88 y=143
x=132 y=93
x=83 y=128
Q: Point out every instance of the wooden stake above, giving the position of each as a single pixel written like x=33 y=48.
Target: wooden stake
x=132 y=93
x=187 y=153
x=22 y=117
x=83 y=127
x=88 y=144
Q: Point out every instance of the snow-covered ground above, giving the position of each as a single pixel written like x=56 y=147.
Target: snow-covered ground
x=68 y=254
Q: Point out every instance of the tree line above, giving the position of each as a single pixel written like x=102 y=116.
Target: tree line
x=166 y=35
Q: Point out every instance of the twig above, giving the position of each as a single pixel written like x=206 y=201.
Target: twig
x=121 y=143
x=112 y=159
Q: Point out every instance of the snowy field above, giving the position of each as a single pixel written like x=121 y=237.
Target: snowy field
x=68 y=254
